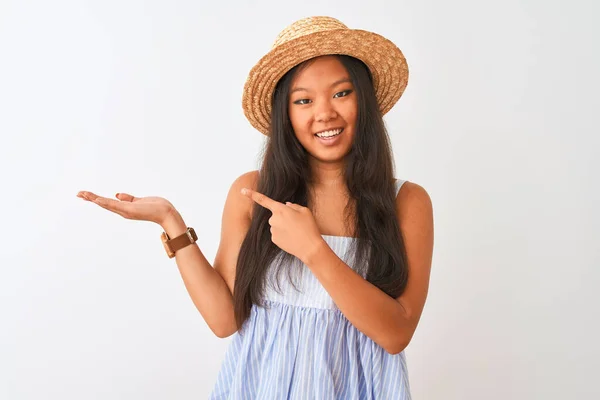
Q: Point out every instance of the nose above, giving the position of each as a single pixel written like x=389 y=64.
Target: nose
x=325 y=112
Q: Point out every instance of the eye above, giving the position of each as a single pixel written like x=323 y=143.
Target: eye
x=301 y=101
x=343 y=93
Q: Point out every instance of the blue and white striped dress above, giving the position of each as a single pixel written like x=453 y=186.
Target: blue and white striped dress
x=300 y=346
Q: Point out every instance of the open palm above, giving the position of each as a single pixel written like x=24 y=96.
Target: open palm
x=153 y=209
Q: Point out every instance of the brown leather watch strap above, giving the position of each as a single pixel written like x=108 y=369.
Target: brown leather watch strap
x=183 y=240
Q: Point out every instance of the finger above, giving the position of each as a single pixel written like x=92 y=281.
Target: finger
x=109 y=204
x=115 y=206
x=110 y=207
x=294 y=206
x=126 y=197
x=82 y=194
x=261 y=199
x=85 y=195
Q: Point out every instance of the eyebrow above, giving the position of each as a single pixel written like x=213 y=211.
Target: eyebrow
x=343 y=80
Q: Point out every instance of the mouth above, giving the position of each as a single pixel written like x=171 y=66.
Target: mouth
x=329 y=134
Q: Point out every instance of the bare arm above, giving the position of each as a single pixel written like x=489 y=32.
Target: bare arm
x=389 y=322
x=211 y=289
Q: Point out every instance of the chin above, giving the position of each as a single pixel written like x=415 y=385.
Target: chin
x=337 y=155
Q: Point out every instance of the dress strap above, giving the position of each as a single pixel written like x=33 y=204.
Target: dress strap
x=399 y=183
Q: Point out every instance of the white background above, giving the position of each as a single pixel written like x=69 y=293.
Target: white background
x=499 y=123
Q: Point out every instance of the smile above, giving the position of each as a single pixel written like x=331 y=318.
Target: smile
x=329 y=134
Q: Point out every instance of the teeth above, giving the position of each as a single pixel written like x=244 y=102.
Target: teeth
x=329 y=133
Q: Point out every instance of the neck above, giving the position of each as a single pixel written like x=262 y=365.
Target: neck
x=327 y=175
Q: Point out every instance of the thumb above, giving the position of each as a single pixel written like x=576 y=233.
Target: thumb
x=125 y=197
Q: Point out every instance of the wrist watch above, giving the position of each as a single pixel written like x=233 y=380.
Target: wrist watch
x=179 y=242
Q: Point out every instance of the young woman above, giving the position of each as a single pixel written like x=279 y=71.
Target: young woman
x=323 y=267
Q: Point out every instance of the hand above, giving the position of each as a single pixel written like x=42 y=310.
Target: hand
x=153 y=209
x=293 y=227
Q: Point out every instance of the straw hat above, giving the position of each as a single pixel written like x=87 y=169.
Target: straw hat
x=317 y=36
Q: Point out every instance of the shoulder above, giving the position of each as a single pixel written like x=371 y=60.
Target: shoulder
x=414 y=203
x=246 y=180
x=410 y=191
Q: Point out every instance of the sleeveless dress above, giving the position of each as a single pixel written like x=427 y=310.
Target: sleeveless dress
x=300 y=346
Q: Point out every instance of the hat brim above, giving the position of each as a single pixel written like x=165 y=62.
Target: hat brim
x=385 y=60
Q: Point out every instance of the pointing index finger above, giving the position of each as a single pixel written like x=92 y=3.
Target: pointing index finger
x=261 y=199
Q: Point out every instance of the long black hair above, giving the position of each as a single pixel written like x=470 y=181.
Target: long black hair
x=370 y=214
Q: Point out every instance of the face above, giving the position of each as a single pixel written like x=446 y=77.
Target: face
x=323 y=101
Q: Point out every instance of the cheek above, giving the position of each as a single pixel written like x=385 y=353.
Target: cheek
x=350 y=112
x=300 y=120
